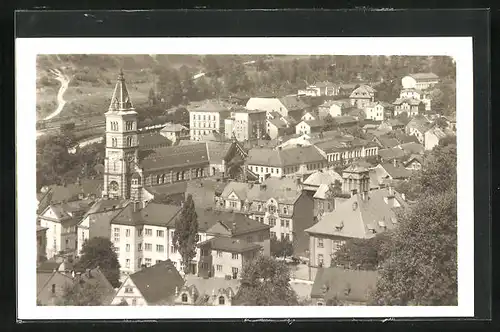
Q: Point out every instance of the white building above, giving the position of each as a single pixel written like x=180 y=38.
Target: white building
x=207 y=118
x=419 y=81
x=374 y=111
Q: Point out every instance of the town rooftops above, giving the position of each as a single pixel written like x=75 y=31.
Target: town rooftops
x=152 y=214
x=284 y=157
x=293 y=103
x=175 y=156
x=424 y=76
x=173 y=127
x=411 y=90
x=71 y=191
x=412 y=147
x=360 y=218
x=324 y=84
x=322 y=177
x=396 y=172
x=414 y=157
x=96 y=277
x=283 y=190
x=105 y=205
x=152 y=139
x=315 y=123
x=227 y=223
x=391 y=153
x=211 y=285
x=210 y=106
x=64 y=212
x=342 y=103
x=419 y=123
x=387 y=141
x=409 y=101
x=437 y=132
x=278 y=122
x=157 y=283
x=344 y=285
x=342 y=120
x=230 y=245
x=239 y=188
x=204 y=191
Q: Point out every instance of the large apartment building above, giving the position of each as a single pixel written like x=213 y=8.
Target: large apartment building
x=246 y=124
x=207 y=118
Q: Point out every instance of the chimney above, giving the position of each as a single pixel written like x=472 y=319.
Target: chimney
x=136 y=206
x=176 y=291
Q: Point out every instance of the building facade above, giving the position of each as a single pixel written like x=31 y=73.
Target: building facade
x=206 y=119
x=246 y=125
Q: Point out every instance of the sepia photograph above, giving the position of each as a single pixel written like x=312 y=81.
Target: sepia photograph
x=307 y=179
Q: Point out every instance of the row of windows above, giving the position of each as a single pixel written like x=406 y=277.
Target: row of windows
x=179 y=176
x=204 y=117
x=147 y=232
x=285 y=236
x=128 y=142
x=129 y=125
x=205 y=125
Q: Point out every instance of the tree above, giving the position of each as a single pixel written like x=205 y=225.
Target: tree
x=81 y=293
x=281 y=248
x=330 y=123
x=265 y=282
x=364 y=254
x=403 y=118
x=186 y=232
x=152 y=97
x=100 y=252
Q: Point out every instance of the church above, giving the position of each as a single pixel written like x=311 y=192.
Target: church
x=136 y=172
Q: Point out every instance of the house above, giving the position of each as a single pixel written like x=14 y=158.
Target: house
x=451 y=121
x=417 y=127
x=291 y=162
x=432 y=137
x=41 y=243
x=333 y=108
x=362 y=96
x=206 y=118
x=392 y=172
x=412 y=93
x=278 y=127
x=50 y=286
x=277 y=202
x=309 y=116
x=155 y=285
x=343 y=150
x=205 y=192
x=392 y=124
x=293 y=141
x=85 y=189
x=153 y=140
x=411 y=106
x=414 y=162
x=96 y=278
x=390 y=154
x=419 y=81
x=365 y=214
x=320 y=89
x=349 y=287
x=61 y=222
x=283 y=105
x=412 y=148
x=174 y=132
x=322 y=185
x=246 y=124
x=356 y=113
x=385 y=141
x=374 y=111
x=308 y=127
x=207 y=291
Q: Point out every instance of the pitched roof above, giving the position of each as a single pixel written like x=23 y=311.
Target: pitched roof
x=173 y=127
x=234 y=223
x=342 y=103
x=411 y=90
x=409 y=101
x=217 y=151
x=412 y=148
x=293 y=103
x=322 y=177
x=48 y=266
x=96 y=277
x=363 y=91
x=239 y=188
x=208 y=286
x=388 y=142
x=324 y=84
x=417 y=157
x=314 y=123
x=230 y=244
x=277 y=122
x=358 y=218
x=105 y=205
x=153 y=214
x=168 y=188
x=59 y=193
x=436 y=132
x=343 y=284
x=424 y=76
x=152 y=139
x=175 y=156
x=285 y=157
x=345 y=119
x=397 y=172
x=120 y=101
x=419 y=123
x=70 y=211
x=284 y=190
x=204 y=191
x=157 y=283
x=391 y=153
x=209 y=106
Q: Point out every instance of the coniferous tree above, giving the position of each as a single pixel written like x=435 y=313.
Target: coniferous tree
x=186 y=232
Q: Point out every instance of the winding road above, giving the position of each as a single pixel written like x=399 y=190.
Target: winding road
x=60 y=95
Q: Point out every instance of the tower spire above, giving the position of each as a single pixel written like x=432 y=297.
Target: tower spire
x=121 y=99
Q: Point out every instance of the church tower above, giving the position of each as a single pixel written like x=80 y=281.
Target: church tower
x=121 y=143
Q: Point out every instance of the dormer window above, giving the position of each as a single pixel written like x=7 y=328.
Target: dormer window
x=222 y=300
x=339 y=226
x=184 y=298
x=371 y=228
x=382 y=224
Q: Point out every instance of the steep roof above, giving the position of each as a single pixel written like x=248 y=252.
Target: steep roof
x=173 y=127
x=283 y=190
x=293 y=103
x=48 y=266
x=343 y=284
x=342 y=103
x=397 y=172
x=239 y=188
x=157 y=283
x=409 y=101
x=230 y=245
x=419 y=123
x=345 y=119
x=322 y=177
x=96 y=277
x=211 y=285
x=217 y=151
x=210 y=106
x=392 y=153
x=175 y=156
x=204 y=191
x=154 y=214
x=152 y=139
x=314 y=123
x=424 y=76
x=417 y=157
x=388 y=142
x=105 y=205
x=358 y=218
x=277 y=122
x=437 y=132
x=232 y=223
x=285 y=157
x=59 y=193
x=120 y=101
x=412 y=148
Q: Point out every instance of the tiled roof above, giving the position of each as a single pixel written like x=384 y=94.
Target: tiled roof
x=152 y=139
x=344 y=285
x=70 y=210
x=412 y=148
x=230 y=245
x=345 y=119
x=356 y=218
x=323 y=177
x=315 y=123
x=283 y=190
x=104 y=205
x=48 y=266
x=277 y=122
x=409 y=101
x=71 y=191
x=210 y=285
x=286 y=157
x=437 y=132
x=394 y=122
x=157 y=283
x=96 y=277
x=363 y=91
x=120 y=100
x=392 y=153
x=355 y=168
x=413 y=157
x=397 y=172
x=424 y=76
x=234 y=223
x=239 y=188
x=204 y=191
x=293 y=103
x=168 y=188
x=419 y=123
x=388 y=142
x=173 y=127
x=342 y=103
x=217 y=151
x=210 y=106
x=153 y=214
x=175 y=156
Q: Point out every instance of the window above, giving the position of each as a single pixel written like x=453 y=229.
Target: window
x=134 y=301
x=261 y=237
x=273 y=234
x=114 y=142
x=320 y=260
x=287 y=223
x=127 y=263
x=232 y=204
x=235 y=272
x=139 y=263
x=129 y=125
x=148 y=231
x=160 y=233
x=285 y=210
x=129 y=290
x=159 y=248
x=148 y=246
x=139 y=247
x=158 y=261
x=282 y=223
x=219 y=253
x=320 y=243
x=219 y=268
x=249 y=239
x=272 y=208
x=53 y=288
x=173 y=250
x=172 y=234
x=127 y=247
x=272 y=221
x=116 y=232
x=204 y=252
x=148 y=262
x=234 y=256
x=222 y=300
x=282 y=236
x=184 y=297
x=139 y=232
x=127 y=232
